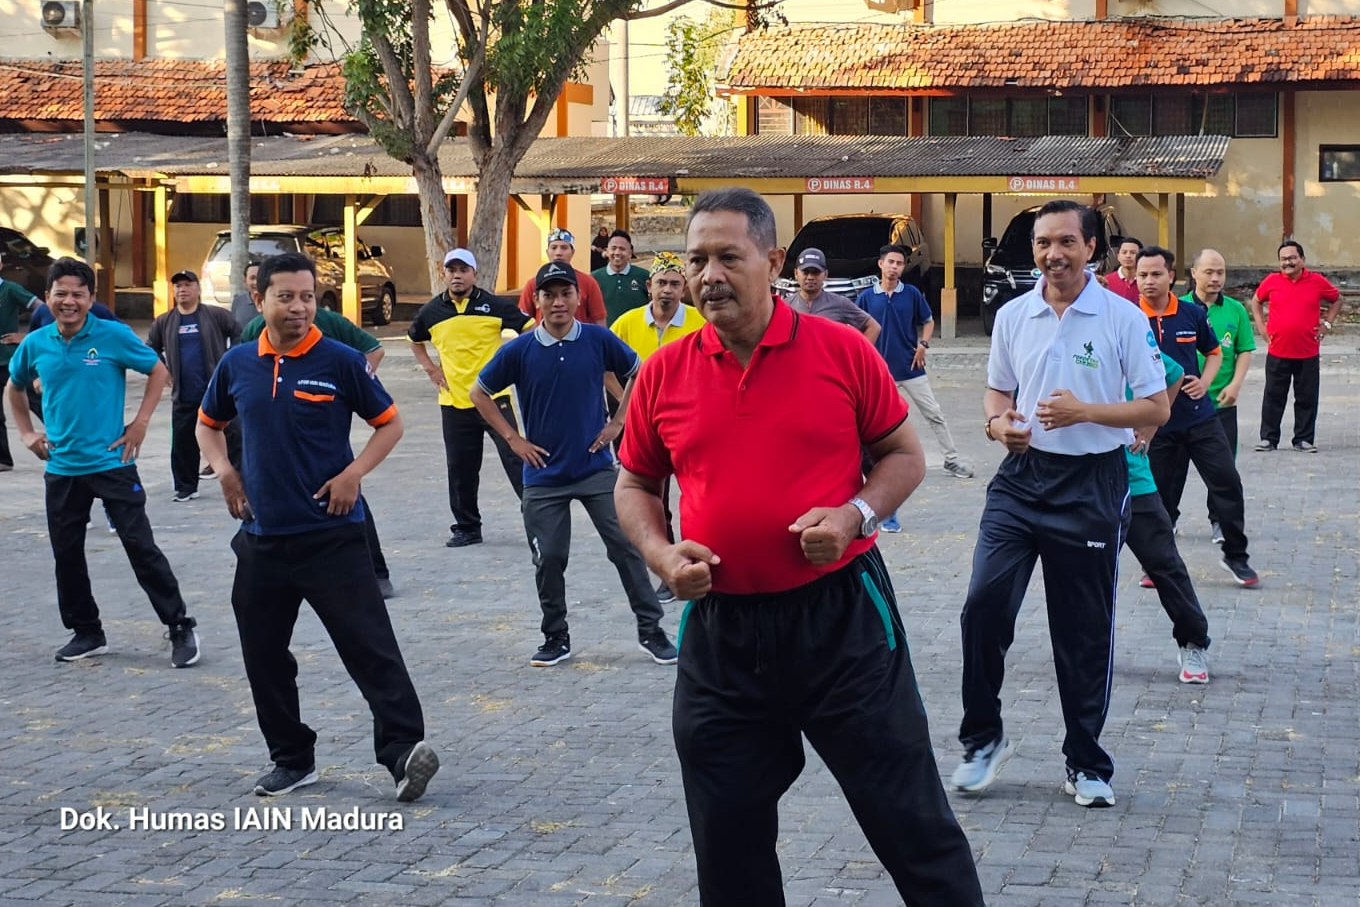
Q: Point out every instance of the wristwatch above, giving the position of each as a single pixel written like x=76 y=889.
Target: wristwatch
x=925 y=343
x=869 y=523
x=1327 y=324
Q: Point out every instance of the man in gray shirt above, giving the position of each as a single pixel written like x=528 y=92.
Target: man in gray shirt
x=243 y=303
x=813 y=299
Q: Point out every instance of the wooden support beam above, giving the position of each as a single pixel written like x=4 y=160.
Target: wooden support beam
x=949 y=294
x=349 y=304
x=160 y=287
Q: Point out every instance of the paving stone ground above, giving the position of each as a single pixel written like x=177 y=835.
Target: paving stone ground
x=560 y=786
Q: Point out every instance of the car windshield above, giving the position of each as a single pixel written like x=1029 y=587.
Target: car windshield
x=260 y=247
x=1016 y=247
x=850 y=244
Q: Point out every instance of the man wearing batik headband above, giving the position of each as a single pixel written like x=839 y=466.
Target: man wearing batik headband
x=648 y=328
x=561 y=248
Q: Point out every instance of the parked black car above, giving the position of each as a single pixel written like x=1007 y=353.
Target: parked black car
x=850 y=243
x=23 y=262
x=1008 y=265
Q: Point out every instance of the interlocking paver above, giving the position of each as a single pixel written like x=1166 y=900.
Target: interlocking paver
x=560 y=786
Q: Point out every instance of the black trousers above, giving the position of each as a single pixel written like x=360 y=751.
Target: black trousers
x=1153 y=541
x=68 y=510
x=1227 y=417
x=829 y=661
x=1071 y=514
x=332 y=571
x=184 y=445
x=1170 y=455
x=1306 y=377
x=374 y=543
x=463 y=432
x=6 y=458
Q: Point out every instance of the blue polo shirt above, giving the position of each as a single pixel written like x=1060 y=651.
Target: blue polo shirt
x=1183 y=332
x=84 y=384
x=561 y=395
x=901 y=314
x=295 y=411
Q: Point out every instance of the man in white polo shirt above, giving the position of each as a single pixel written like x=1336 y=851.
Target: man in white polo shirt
x=1061 y=357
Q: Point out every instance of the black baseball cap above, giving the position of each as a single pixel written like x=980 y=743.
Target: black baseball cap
x=184 y=275
x=555 y=271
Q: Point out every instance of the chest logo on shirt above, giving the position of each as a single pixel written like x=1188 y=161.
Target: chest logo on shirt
x=1227 y=338
x=92 y=356
x=189 y=328
x=1088 y=358
x=1152 y=340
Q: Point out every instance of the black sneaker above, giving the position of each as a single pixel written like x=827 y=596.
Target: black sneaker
x=386 y=588
x=183 y=645
x=415 y=772
x=183 y=496
x=461 y=538
x=83 y=645
x=207 y=473
x=553 y=650
x=1241 y=571
x=1264 y=446
x=283 y=779
x=658 y=645
x=1305 y=447
x=664 y=593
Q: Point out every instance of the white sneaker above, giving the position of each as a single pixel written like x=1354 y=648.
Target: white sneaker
x=1089 y=791
x=978 y=769
x=958 y=470
x=1194 y=664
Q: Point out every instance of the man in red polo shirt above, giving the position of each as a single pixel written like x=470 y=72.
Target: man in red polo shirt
x=562 y=248
x=792 y=626
x=1294 y=329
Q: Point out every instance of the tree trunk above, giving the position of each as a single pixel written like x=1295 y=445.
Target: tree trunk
x=488 y=218
x=434 y=216
x=238 y=137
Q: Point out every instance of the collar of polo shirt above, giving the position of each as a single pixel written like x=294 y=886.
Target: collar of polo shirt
x=542 y=336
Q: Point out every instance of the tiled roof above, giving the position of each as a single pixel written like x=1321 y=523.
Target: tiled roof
x=577 y=164
x=182 y=91
x=1099 y=55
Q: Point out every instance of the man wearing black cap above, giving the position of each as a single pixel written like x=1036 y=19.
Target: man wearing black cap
x=814 y=299
x=191 y=338
x=558 y=370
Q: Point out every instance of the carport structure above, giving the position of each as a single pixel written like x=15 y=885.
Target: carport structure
x=1156 y=172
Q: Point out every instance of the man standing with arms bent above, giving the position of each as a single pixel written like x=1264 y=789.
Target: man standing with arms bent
x=1061 y=357
x=782 y=574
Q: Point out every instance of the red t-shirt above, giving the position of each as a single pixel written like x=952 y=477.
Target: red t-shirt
x=1118 y=285
x=592 y=309
x=1294 y=313
x=755 y=449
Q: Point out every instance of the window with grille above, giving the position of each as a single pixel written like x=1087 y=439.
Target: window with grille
x=774 y=116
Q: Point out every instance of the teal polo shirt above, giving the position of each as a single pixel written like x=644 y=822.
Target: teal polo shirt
x=1232 y=324
x=1140 y=470
x=622 y=292
x=84 y=384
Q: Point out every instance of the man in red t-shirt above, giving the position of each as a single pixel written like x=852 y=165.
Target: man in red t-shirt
x=561 y=248
x=1121 y=281
x=792 y=627
x=1294 y=327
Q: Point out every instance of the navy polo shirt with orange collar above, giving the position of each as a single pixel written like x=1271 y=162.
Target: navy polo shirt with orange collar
x=755 y=448
x=1183 y=332
x=295 y=411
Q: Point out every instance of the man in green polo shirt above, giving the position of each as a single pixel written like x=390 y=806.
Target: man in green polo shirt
x=14 y=301
x=623 y=283
x=1232 y=324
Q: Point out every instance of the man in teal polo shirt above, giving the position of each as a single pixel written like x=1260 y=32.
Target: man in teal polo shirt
x=82 y=363
x=1232 y=324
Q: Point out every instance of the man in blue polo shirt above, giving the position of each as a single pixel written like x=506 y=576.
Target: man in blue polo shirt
x=558 y=370
x=295 y=394
x=82 y=363
x=1193 y=433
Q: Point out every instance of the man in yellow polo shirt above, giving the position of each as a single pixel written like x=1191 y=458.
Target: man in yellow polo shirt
x=648 y=328
x=464 y=323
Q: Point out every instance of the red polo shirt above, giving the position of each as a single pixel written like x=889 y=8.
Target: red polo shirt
x=1295 y=309
x=754 y=449
x=592 y=310
x=1115 y=282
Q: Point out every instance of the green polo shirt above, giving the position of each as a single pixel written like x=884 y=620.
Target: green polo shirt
x=1232 y=324
x=622 y=292
x=331 y=324
x=14 y=301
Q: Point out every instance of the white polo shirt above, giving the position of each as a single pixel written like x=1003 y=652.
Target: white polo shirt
x=1101 y=344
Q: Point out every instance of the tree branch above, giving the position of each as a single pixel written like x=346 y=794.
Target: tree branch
x=403 y=104
x=471 y=75
x=676 y=4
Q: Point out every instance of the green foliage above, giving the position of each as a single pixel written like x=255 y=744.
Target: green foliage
x=691 y=60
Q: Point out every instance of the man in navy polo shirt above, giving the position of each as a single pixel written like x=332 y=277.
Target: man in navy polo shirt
x=1193 y=433
x=295 y=394
x=558 y=370
x=82 y=363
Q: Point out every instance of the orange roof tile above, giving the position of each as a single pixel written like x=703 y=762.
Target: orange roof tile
x=183 y=91
x=1099 y=55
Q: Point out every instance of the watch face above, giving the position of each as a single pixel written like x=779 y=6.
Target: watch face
x=869 y=526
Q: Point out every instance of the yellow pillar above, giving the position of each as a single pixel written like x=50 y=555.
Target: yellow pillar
x=1163 y=220
x=350 y=289
x=949 y=294
x=160 y=285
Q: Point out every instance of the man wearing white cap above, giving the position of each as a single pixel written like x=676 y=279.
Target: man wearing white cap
x=464 y=323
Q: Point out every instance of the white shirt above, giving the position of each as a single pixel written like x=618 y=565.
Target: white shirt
x=1101 y=344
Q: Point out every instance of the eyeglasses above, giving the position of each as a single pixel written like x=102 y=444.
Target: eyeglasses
x=560 y=235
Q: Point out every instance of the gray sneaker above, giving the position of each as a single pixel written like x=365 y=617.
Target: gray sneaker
x=958 y=470
x=978 y=768
x=1089 y=791
x=1194 y=664
x=416 y=770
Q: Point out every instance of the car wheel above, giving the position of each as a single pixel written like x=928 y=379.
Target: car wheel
x=387 y=304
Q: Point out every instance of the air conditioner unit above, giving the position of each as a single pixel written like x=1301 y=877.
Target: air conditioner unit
x=262 y=14
x=61 y=14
